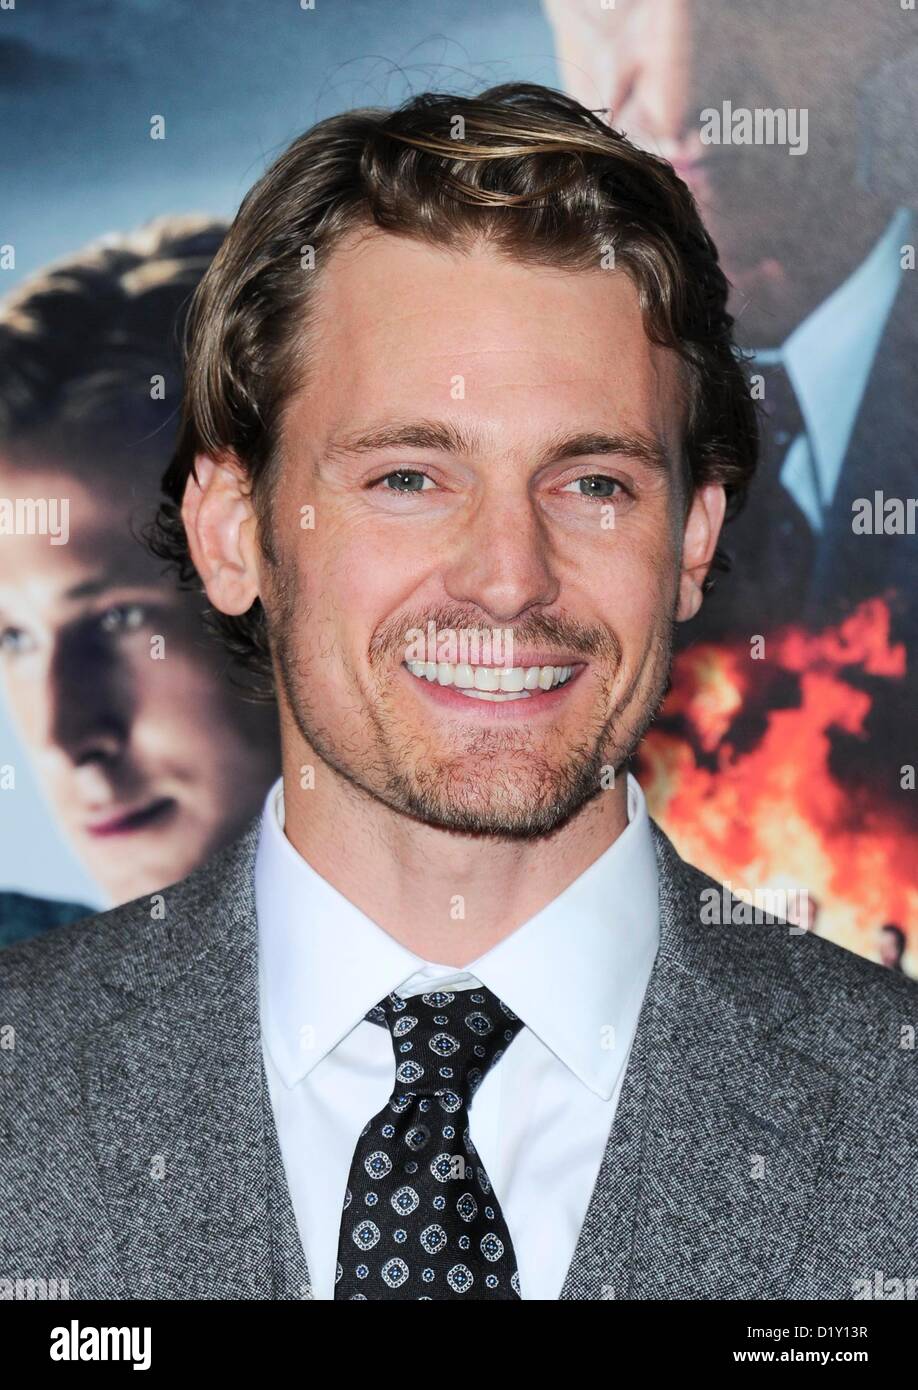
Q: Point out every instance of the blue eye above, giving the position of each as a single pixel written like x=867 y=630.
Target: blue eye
x=123 y=617
x=595 y=478
x=404 y=475
x=14 y=641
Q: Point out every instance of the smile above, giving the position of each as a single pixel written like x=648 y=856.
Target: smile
x=125 y=821
x=497 y=684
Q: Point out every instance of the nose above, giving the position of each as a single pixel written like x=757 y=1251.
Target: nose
x=503 y=562
x=87 y=701
x=654 y=75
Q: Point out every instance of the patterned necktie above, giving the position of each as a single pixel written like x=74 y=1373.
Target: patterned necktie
x=420 y=1219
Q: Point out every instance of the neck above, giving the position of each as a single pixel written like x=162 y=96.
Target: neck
x=446 y=896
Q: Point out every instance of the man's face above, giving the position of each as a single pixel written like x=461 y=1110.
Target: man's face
x=148 y=760
x=788 y=227
x=890 y=948
x=505 y=532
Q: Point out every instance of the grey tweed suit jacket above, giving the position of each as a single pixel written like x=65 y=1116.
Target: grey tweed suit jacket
x=764 y=1144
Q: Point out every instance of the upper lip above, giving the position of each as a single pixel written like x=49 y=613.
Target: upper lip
x=688 y=162
x=688 y=153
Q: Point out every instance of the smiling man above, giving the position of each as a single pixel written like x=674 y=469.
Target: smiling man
x=451 y=1020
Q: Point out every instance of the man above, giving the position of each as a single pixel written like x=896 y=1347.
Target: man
x=817 y=235
x=892 y=945
x=812 y=232
x=453 y=1020
x=142 y=743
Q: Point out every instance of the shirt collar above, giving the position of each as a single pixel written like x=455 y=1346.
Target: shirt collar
x=575 y=973
x=829 y=356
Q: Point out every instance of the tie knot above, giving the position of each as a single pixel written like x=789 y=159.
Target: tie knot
x=446 y=1041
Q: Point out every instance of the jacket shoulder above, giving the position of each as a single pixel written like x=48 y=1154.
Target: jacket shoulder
x=64 y=983
x=797 y=957
x=856 y=1014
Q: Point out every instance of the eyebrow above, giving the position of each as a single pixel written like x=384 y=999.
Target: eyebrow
x=101 y=584
x=448 y=436
x=90 y=587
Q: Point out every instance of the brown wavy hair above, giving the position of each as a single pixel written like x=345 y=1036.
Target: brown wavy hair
x=81 y=339
x=528 y=169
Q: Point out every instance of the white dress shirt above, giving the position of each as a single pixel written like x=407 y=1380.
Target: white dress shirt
x=828 y=359
x=575 y=973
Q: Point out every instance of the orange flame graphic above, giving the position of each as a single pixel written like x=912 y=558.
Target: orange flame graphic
x=743 y=782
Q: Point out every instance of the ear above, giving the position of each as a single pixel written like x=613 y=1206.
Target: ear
x=702 y=529
x=221 y=527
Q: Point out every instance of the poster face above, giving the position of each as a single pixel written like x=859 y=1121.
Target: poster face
x=783 y=761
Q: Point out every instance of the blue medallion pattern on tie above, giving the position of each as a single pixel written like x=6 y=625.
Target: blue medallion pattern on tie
x=420 y=1220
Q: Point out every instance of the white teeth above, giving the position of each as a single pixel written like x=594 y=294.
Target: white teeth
x=496 y=683
x=496 y=697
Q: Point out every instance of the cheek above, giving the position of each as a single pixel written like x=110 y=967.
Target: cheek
x=640 y=561
x=348 y=588
x=634 y=595
x=30 y=702
x=180 y=699
x=24 y=707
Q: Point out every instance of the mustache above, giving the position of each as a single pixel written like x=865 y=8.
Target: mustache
x=537 y=629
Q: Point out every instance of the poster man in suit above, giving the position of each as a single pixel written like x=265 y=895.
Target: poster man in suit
x=817 y=234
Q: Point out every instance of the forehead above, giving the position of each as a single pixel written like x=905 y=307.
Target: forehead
x=101 y=507
x=402 y=327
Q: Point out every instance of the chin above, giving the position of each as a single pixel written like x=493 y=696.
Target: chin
x=530 y=809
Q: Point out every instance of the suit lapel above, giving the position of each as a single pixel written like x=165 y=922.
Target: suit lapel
x=715 y=1153
x=880 y=457
x=179 y=1112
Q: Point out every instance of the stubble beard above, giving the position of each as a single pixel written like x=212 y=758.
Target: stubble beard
x=497 y=782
